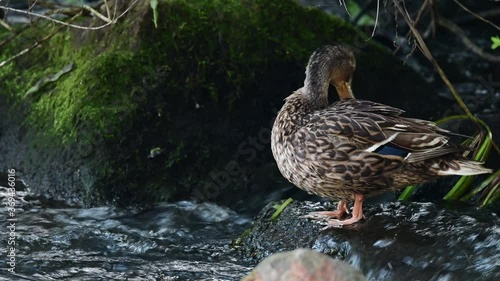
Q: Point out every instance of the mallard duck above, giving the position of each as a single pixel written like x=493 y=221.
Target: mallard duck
x=355 y=148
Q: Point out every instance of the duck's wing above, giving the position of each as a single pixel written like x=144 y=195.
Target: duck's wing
x=327 y=153
x=357 y=105
x=374 y=127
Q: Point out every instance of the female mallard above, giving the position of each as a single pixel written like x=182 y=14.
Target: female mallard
x=355 y=148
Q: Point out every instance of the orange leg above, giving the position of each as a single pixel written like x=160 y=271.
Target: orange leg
x=357 y=214
x=326 y=215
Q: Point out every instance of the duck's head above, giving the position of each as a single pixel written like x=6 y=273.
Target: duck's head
x=331 y=64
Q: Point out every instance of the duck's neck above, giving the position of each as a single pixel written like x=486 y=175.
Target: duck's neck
x=316 y=85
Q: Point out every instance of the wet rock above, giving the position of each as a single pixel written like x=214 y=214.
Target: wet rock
x=397 y=241
x=303 y=265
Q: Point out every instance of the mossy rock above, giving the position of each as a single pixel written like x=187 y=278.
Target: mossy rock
x=185 y=109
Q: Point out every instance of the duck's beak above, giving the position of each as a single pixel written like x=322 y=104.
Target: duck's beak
x=344 y=90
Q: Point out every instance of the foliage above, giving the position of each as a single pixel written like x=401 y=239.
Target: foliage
x=481 y=143
x=280 y=208
x=485 y=140
x=355 y=11
x=495 y=42
x=154 y=7
x=135 y=87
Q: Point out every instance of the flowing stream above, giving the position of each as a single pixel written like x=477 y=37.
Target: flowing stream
x=194 y=241
x=174 y=241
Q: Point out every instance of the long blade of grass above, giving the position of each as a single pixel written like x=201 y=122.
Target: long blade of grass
x=463 y=184
x=485 y=148
x=427 y=53
x=480 y=187
x=460 y=188
x=492 y=196
x=407 y=193
x=280 y=208
x=481 y=155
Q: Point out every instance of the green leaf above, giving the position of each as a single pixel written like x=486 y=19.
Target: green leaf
x=355 y=9
x=463 y=185
x=492 y=196
x=481 y=187
x=496 y=42
x=154 y=6
x=459 y=188
x=407 y=193
x=280 y=208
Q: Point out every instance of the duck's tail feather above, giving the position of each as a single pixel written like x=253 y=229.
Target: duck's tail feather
x=414 y=157
x=463 y=167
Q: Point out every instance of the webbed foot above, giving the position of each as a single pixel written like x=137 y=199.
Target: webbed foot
x=341 y=223
x=357 y=214
x=327 y=215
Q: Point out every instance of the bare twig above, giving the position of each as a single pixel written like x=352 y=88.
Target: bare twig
x=115 y=9
x=342 y=2
x=16 y=32
x=107 y=8
x=97 y=14
x=376 y=20
x=467 y=42
x=420 y=12
x=111 y=21
x=37 y=43
x=18 y=55
x=428 y=5
x=476 y=15
x=6 y=25
x=363 y=11
x=434 y=16
x=427 y=53
x=490 y=13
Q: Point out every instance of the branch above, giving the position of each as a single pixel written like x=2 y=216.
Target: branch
x=107 y=8
x=467 y=42
x=427 y=53
x=6 y=25
x=66 y=11
x=476 y=15
x=38 y=43
x=342 y=2
x=99 y=15
x=108 y=21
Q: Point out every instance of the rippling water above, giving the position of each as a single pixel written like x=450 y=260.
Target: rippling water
x=192 y=241
x=178 y=241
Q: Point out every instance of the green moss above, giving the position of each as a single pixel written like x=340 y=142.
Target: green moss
x=94 y=96
x=196 y=39
x=187 y=87
x=96 y=93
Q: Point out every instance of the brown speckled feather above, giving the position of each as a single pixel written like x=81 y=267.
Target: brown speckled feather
x=333 y=151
